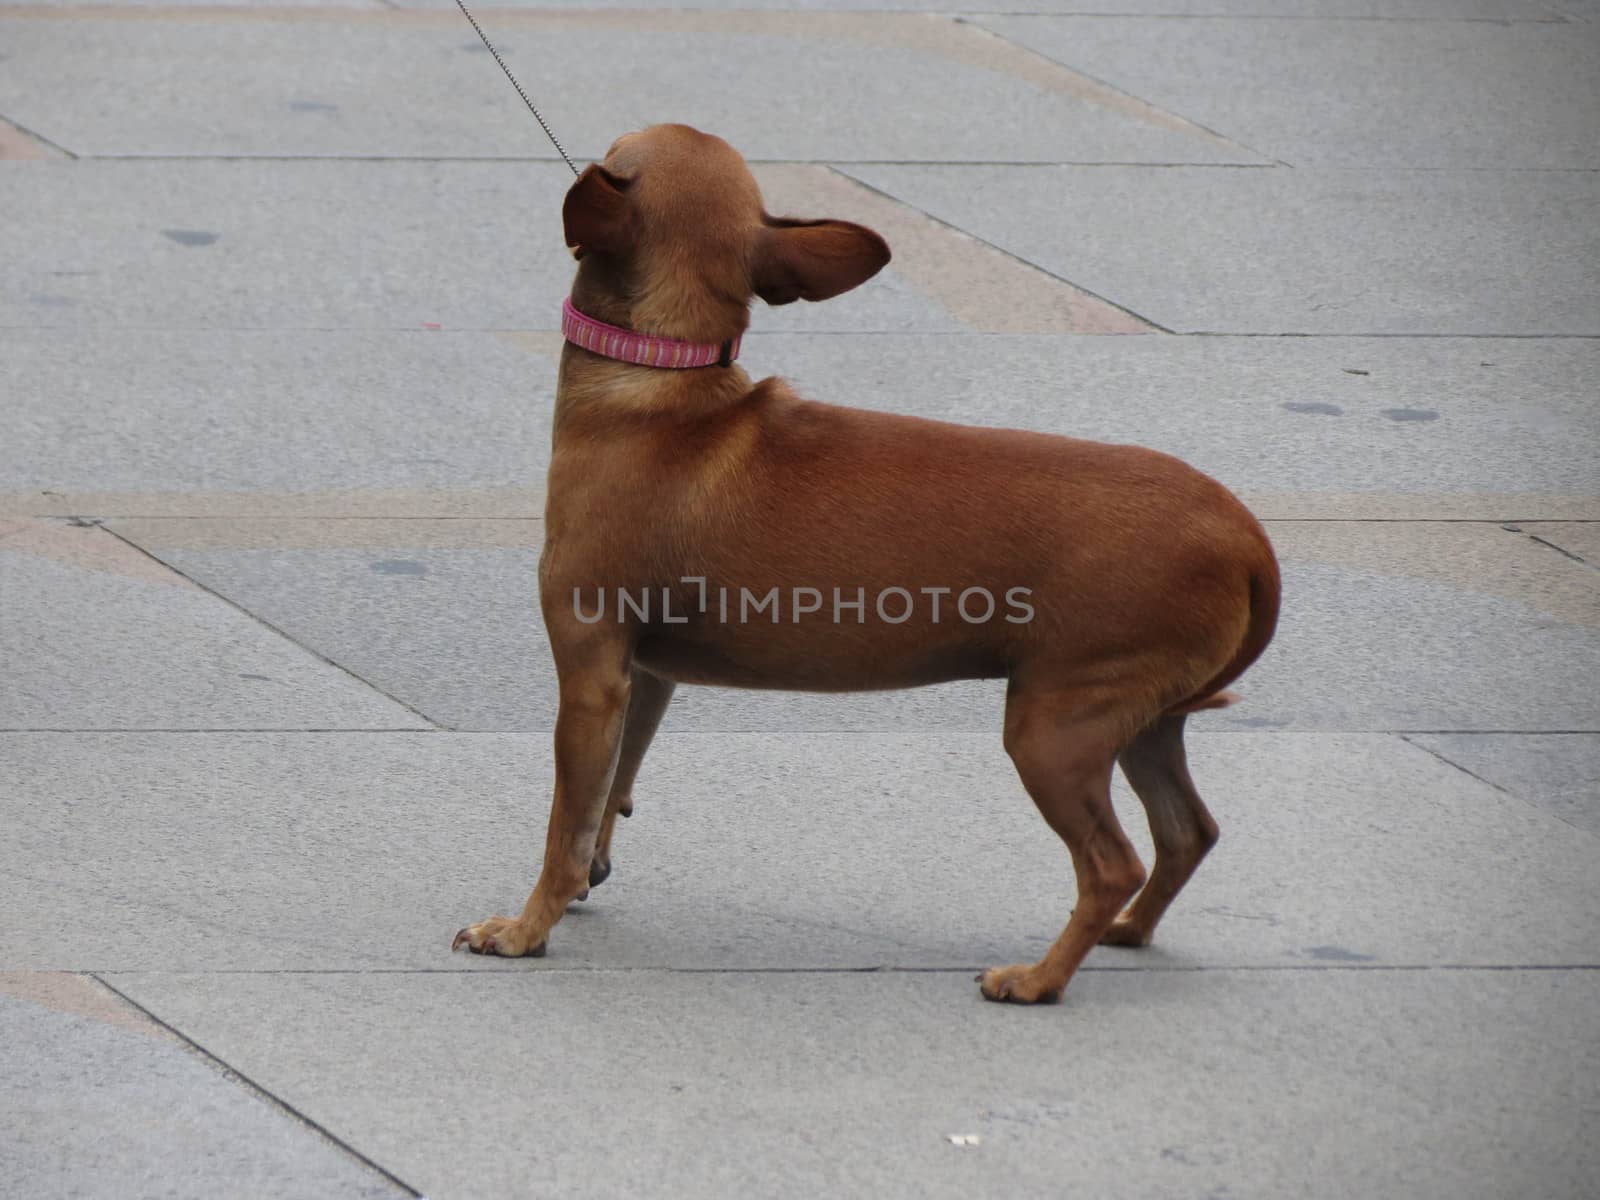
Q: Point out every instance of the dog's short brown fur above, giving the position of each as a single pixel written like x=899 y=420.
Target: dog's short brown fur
x=1152 y=586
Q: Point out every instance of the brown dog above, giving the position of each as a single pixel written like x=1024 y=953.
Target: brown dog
x=1135 y=588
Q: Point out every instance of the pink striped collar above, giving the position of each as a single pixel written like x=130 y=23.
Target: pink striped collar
x=611 y=341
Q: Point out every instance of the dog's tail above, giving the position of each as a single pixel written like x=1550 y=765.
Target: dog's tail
x=1265 y=595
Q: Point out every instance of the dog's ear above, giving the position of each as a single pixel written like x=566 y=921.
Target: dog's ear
x=813 y=260
x=595 y=214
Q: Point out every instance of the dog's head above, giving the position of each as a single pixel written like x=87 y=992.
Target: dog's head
x=672 y=239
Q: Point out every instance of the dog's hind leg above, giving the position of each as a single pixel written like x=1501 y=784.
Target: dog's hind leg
x=647 y=701
x=1063 y=743
x=1183 y=831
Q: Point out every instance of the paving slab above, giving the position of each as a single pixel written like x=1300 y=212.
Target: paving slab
x=335 y=245
x=1380 y=621
x=1559 y=772
x=1279 y=251
x=137 y=413
x=435 y=597
x=99 y=635
x=97 y=1100
x=1578 y=540
x=419 y=84
x=1304 y=427
x=1383 y=621
x=97 y=5
x=1397 y=10
x=387 y=423
x=1458 y=10
x=943 y=280
x=413 y=604
x=343 y=853
x=1412 y=94
x=1445 y=1084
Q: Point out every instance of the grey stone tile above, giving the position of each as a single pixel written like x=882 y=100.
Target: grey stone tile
x=136 y=413
x=385 y=83
x=371 y=5
x=1578 y=540
x=465 y=245
x=402 y=424
x=452 y=625
x=1359 y=427
x=96 y=635
x=1559 y=772
x=335 y=852
x=99 y=1101
x=1381 y=623
x=1293 y=251
x=1424 y=626
x=454 y=630
x=1411 y=94
x=1316 y=1084
x=1462 y=10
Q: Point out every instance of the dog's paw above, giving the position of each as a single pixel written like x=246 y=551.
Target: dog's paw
x=1123 y=932
x=1016 y=985
x=503 y=936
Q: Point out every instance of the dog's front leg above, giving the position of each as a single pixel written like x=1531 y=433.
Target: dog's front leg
x=647 y=702
x=594 y=679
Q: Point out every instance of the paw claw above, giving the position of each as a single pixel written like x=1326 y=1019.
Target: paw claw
x=1015 y=985
x=501 y=936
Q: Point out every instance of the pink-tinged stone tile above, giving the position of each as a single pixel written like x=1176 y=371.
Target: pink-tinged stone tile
x=986 y=289
x=15 y=144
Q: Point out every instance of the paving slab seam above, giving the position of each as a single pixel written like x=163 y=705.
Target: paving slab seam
x=541 y=730
x=1476 y=337
x=832 y=160
x=224 y=729
x=30 y=135
x=1556 y=18
x=1565 y=553
x=1502 y=522
x=1155 y=326
x=1450 y=762
x=976 y=22
x=1463 y=170
x=95 y=519
x=233 y=1074
x=88 y=327
x=268 y=624
x=506 y=967
x=1472 y=732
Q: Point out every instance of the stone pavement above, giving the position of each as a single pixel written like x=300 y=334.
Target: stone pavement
x=278 y=301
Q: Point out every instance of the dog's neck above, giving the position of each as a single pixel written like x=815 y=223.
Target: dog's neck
x=669 y=296
x=642 y=349
x=593 y=391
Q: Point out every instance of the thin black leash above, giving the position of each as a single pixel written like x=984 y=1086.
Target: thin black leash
x=490 y=47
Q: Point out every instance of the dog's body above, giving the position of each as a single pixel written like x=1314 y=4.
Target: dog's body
x=1131 y=589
